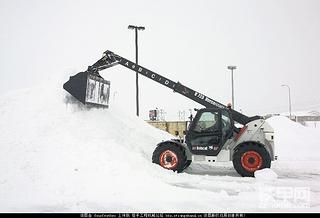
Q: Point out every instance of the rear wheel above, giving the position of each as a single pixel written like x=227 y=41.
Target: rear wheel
x=170 y=157
x=249 y=158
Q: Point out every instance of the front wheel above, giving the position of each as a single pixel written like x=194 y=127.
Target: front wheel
x=249 y=158
x=170 y=157
x=187 y=164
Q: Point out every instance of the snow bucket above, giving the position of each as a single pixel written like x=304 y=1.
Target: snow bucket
x=89 y=89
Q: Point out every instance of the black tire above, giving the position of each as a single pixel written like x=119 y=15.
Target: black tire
x=188 y=162
x=164 y=150
x=250 y=157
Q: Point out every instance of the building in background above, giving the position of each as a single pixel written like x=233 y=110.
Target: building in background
x=175 y=128
x=311 y=118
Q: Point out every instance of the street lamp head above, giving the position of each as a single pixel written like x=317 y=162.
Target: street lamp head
x=141 y=28
x=131 y=27
x=232 y=67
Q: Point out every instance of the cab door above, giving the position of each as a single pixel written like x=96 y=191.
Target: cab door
x=204 y=136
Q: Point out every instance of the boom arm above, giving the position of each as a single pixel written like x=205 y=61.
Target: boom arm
x=110 y=59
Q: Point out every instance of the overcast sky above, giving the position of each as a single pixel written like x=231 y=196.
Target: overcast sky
x=272 y=42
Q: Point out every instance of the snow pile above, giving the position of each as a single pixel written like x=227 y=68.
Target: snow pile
x=56 y=154
x=294 y=141
x=265 y=175
x=58 y=157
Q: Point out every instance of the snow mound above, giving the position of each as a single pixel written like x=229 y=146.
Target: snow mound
x=58 y=154
x=63 y=158
x=294 y=141
x=265 y=175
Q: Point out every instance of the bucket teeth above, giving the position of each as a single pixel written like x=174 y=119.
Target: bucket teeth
x=89 y=89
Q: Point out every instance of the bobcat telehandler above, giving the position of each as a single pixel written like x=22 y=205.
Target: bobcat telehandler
x=212 y=135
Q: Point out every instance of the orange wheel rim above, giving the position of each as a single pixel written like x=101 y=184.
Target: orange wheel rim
x=251 y=161
x=168 y=160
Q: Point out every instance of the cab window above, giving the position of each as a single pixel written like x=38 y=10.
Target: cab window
x=208 y=122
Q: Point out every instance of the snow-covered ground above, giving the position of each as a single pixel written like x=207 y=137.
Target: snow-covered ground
x=58 y=157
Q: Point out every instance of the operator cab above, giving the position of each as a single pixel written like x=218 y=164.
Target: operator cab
x=209 y=131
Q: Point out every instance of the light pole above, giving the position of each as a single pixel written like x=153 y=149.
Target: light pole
x=232 y=68
x=289 y=99
x=136 y=28
x=114 y=96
